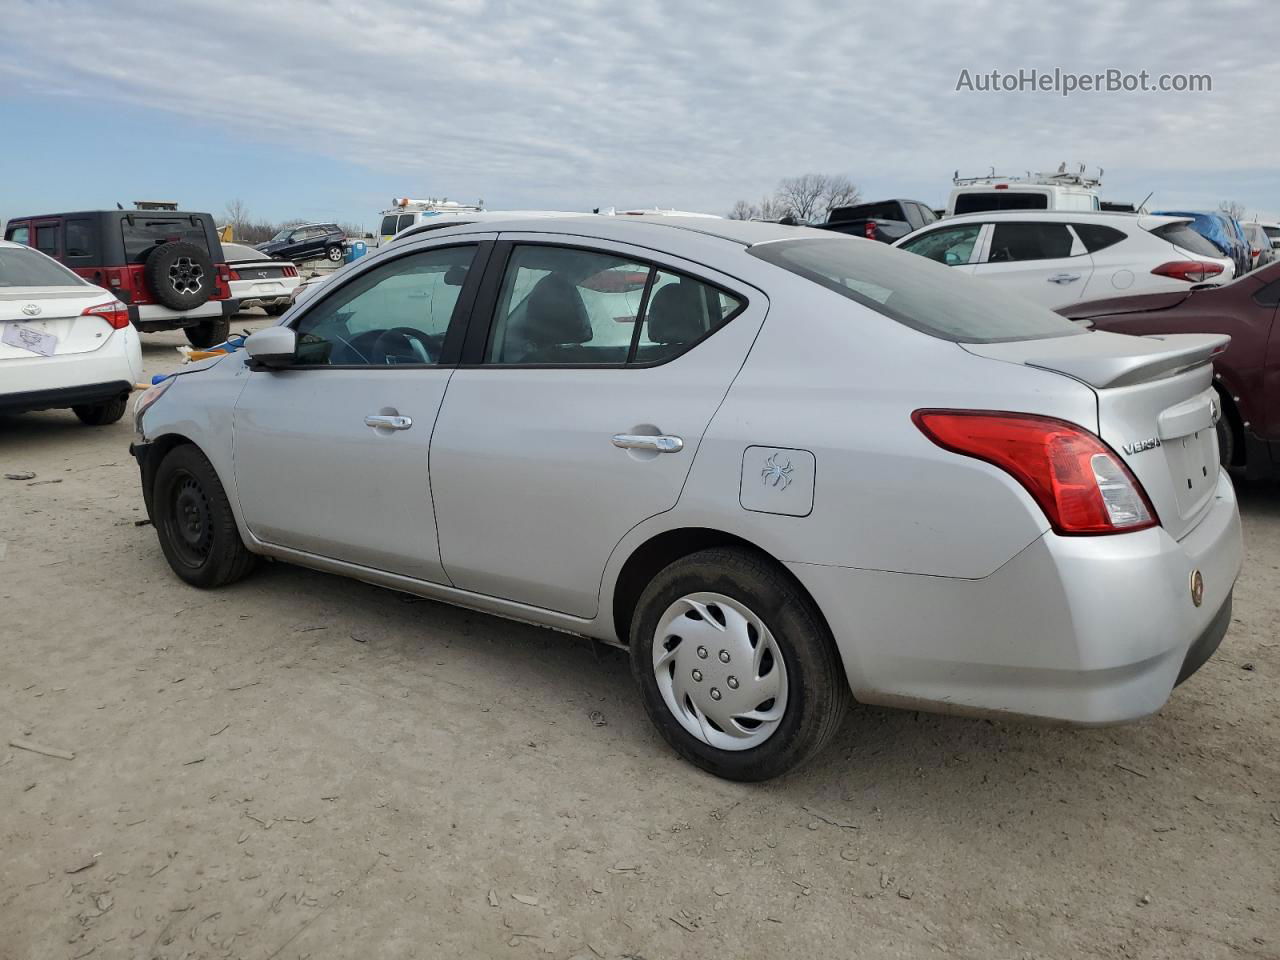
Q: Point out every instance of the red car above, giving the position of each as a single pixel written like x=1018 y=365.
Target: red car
x=1247 y=375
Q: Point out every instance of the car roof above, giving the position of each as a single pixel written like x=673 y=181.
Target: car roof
x=117 y=213
x=644 y=229
x=1056 y=215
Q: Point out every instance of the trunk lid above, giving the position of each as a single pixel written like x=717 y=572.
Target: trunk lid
x=59 y=316
x=1156 y=408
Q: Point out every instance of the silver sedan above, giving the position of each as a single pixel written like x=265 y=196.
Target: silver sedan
x=781 y=467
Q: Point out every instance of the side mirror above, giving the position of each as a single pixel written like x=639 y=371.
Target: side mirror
x=273 y=348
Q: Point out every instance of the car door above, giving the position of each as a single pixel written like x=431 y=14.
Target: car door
x=578 y=410
x=1043 y=261
x=956 y=246
x=331 y=453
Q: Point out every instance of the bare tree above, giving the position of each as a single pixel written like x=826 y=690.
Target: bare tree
x=811 y=196
x=840 y=192
x=742 y=210
x=237 y=214
x=1232 y=208
x=771 y=208
x=802 y=196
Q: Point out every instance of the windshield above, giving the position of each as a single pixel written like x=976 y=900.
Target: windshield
x=20 y=267
x=916 y=292
x=283 y=234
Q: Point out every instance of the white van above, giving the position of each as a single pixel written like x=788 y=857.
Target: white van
x=406 y=212
x=1036 y=191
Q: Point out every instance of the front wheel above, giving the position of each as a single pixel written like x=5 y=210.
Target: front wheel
x=194 y=522
x=334 y=254
x=735 y=665
x=101 y=414
x=207 y=334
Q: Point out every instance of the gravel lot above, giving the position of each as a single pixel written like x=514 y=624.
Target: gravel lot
x=303 y=766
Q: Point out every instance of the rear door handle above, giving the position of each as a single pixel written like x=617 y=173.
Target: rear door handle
x=1064 y=277
x=635 y=441
x=388 y=423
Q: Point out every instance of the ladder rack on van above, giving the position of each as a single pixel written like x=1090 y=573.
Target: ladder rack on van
x=1061 y=178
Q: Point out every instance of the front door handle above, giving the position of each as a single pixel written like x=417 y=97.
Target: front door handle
x=1064 y=278
x=388 y=423
x=638 y=441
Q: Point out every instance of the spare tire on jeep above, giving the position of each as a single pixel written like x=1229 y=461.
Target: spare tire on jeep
x=179 y=275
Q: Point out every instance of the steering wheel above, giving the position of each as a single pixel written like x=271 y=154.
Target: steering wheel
x=402 y=345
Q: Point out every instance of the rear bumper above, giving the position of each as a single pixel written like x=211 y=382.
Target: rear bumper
x=1088 y=630
x=151 y=317
x=64 y=380
x=60 y=398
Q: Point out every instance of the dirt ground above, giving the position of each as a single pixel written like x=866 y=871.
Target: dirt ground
x=304 y=766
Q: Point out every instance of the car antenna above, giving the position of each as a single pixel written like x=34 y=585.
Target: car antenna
x=119 y=205
x=1144 y=201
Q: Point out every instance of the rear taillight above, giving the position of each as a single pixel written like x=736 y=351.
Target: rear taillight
x=1079 y=482
x=869 y=230
x=1192 y=271
x=234 y=274
x=115 y=313
x=290 y=271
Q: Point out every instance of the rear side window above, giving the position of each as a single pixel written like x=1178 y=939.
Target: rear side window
x=566 y=306
x=916 y=293
x=78 y=241
x=1016 y=242
x=141 y=235
x=47 y=238
x=1185 y=236
x=1096 y=237
x=951 y=246
x=20 y=234
x=388 y=227
x=26 y=268
x=1000 y=200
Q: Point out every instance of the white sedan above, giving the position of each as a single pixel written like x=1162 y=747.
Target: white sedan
x=1056 y=258
x=779 y=466
x=259 y=281
x=63 y=341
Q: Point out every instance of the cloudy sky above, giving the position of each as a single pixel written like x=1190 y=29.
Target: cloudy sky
x=318 y=110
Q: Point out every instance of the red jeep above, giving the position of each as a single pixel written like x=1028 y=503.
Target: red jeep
x=166 y=266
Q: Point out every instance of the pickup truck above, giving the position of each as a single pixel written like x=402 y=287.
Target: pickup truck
x=884 y=220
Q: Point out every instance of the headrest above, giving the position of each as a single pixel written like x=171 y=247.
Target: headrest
x=555 y=314
x=675 y=314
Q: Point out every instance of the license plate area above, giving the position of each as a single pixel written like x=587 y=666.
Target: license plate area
x=1193 y=467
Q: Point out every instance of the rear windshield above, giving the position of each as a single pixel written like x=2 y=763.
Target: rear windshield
x=1272 y=232
x=146 y=233
x=1188 y=238
x=238 y=251
x=1000 y=200
x=888 y=210
x=20 y=267
x=916 y=292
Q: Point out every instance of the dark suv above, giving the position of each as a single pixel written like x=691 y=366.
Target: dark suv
x=167 y=267
x=307 y=241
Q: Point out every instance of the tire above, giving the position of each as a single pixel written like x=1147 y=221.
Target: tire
x=810 y=696
x=334 y=254
x=179 y=275
x=1226 y=440
x=207 y=334
x=194 y=522
x=101 y=414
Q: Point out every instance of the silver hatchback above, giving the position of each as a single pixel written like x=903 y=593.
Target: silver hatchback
x=781 y=467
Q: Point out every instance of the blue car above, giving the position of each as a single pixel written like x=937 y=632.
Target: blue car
x=1223 y=232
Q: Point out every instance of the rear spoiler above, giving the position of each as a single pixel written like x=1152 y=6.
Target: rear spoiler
x=1108 y=359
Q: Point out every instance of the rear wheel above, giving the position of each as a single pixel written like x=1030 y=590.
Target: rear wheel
x=101 y=414
x=194 y=522
x=334 y=254
x=735 y=665
x=208 y=333
x=1226 y=440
